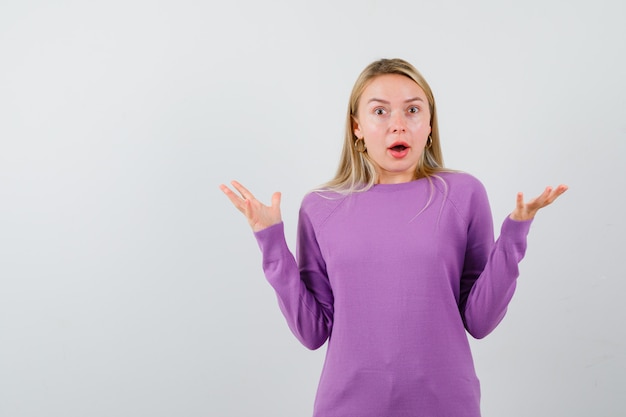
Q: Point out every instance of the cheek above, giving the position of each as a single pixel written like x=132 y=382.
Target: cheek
x=423 y=126
x=370 y=127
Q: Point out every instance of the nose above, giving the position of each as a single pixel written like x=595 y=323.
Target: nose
x=398 y=123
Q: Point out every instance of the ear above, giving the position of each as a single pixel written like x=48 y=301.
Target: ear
x=356 y=128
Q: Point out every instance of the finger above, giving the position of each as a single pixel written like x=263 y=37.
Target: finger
x=230 y=193
x=234 y=198
x=247 y=209
x=541 y=200
x=560 y=190
x=546 y=193
x=555 y=193
x=520 y=201
x=247 y=195
x=276 y=199
x=544 y=198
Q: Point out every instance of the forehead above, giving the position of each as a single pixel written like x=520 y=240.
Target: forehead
x=391 y=87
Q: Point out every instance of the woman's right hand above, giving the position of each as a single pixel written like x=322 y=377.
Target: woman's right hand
x=258 y=214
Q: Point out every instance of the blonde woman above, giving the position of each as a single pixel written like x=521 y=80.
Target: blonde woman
x=396 y=260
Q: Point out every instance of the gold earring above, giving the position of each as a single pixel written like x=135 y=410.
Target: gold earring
x=429 y=142
x=359 y=145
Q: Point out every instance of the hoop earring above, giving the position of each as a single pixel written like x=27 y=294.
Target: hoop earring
x=359 y=145
x=429 y=142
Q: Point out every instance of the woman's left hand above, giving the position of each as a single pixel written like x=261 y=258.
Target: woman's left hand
x=526 y=211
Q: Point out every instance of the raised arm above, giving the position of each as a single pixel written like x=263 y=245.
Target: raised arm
x=303 y=290
x=490 y=273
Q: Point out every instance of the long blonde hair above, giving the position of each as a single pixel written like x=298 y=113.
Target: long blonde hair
x=356 y=171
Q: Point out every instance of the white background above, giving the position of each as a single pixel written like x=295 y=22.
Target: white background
x=129 y=285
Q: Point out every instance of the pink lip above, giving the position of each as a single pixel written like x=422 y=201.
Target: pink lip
x=398 y=154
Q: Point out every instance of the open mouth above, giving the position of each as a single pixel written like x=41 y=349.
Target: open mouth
x=398 y=148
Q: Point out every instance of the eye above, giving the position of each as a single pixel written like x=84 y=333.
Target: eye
x=379 y=111
x=414 y=109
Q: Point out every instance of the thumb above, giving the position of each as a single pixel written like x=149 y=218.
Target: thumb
x=276 y=199
x=520 y=201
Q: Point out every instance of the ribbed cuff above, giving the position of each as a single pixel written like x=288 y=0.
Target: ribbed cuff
x=515 y=230
x=272 y=242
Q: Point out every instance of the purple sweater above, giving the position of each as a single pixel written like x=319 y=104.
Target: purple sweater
x=392 y=278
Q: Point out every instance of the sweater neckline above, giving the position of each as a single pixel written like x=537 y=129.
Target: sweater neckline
x=388 y=188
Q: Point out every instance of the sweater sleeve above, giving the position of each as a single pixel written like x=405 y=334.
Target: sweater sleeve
x=490 y=269
x=303 y=292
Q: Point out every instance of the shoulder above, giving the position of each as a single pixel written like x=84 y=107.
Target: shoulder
x=462 y=180
x=458 y=184
x=319 y=205
x=464 y=191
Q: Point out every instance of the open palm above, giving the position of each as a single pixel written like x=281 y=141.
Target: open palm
x=258 y=214
x=527 y=210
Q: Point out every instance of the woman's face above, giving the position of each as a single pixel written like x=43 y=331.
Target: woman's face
x=394 y=120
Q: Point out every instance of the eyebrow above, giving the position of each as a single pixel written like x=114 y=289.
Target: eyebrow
x=380 y=100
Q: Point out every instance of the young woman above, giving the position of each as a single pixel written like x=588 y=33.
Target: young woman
x=396 y=260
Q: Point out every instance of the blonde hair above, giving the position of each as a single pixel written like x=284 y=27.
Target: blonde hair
x=356 y=171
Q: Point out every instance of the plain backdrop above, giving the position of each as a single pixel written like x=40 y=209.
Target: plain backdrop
x=129 y=285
